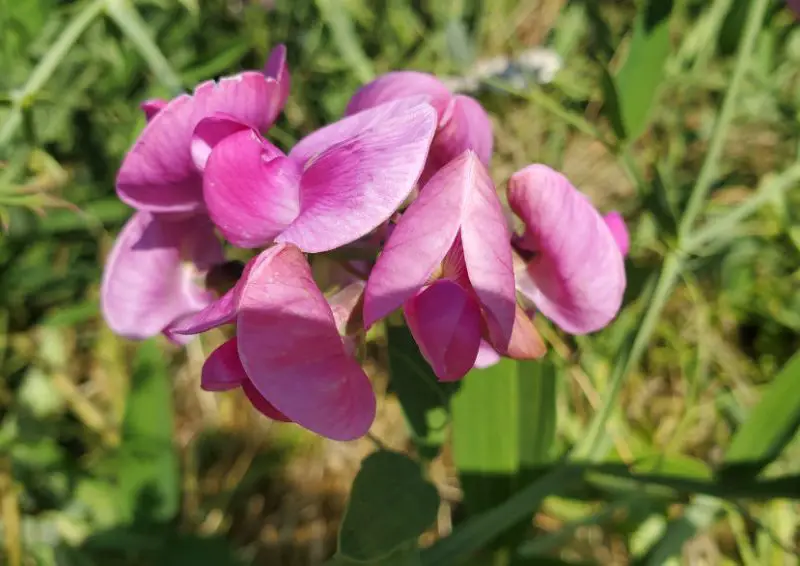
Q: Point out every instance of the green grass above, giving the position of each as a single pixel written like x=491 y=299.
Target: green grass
x=702 y=158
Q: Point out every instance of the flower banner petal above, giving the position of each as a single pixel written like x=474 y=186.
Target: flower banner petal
x=223 y=369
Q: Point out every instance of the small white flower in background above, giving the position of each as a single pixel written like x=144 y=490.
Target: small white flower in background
x=538 y=65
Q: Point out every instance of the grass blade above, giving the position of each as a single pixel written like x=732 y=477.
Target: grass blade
x=127 y=17
x=345 y=37
x=47 y=66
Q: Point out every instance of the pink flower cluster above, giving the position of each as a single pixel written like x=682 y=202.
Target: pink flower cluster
x=402 y=180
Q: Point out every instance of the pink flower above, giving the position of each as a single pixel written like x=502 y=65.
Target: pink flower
x=449 y=263
x=616 y=224
x=575 y=273
x=335 y=186
x=463 y=123
x=151 y=276
x=288 y=355
x=159 y=173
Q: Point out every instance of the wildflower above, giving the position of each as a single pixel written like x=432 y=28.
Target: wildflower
x=335 y=186
x=448 y=262
x=574 y=272
x=288 y=354
x=463 y=124
x=159 y=173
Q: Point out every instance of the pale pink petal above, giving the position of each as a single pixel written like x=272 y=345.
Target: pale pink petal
x=158 y=173
x=577 y=268
x=293 y=354
x=152 y=107
x=223 y=370
x=209 y=132
x=262 y=405
x=463 y=125
x=354 y=186
x=526 y=342
x=616 y=224
x=176 y=339
x=277 y=68
x=400 y=84
x=250 y=195
x=318 y=141
x=145 y=283
x=487 y=249
x=487 y=356
x=446 y=324
x=418 y=244
x=345 y=305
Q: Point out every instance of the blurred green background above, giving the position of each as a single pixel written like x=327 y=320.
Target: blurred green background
x=111 y=454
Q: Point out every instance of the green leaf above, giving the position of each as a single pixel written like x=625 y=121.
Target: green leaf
x=503 y=425
x=148 y=465
x=406 y=555
x=772 y=423
x=425 y=400
x=638 y=80
x=391 y=504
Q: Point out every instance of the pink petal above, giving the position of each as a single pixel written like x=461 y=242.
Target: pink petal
x=418 y=244
x=487 y=249
x=526 y=342
x=223 y=370
x=209 y=132
x=251 y=195
x=277 y=68
x=145 y=284
x=158 y=173
x=446 y=324
x=315 y=143
x=262 y=405
x=293 y=354
x=487 y=356
x=577 y=272
x=400 y=84
x=354 y=186
x=616 y=224
x=464 y=125
x=152 y=107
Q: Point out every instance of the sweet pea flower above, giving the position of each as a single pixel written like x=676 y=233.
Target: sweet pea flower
x=448 y=262
x=159 y=173
x=463 y=123
x=574 y=273
x=288 y=355
x=616 y=224
x=335 y=186
x=152 y=277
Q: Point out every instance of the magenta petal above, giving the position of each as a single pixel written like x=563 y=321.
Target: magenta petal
x=400 y=84
x=209 y=132
x=223 y=370
x=152 y=107
x=250 y=195
x=262 y=405
x=344 y=304
x=418 y=244
x=277 y=68
x=145 y=283
x=577 y=272
x=315 y=143
x=464 y=125
x=487 y=250
x=293 y=354
x=354 y=186
x=446 y=323
x=616 y=224
x=158 y=173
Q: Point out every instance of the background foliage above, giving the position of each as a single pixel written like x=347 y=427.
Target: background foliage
x=670 y=437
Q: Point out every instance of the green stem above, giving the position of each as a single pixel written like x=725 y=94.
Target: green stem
x=592 y=448
x=708 y=172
